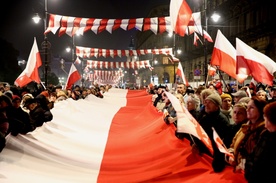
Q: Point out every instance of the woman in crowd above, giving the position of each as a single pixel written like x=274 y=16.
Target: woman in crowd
x=259 y=164
x=193 y=105
x=247 y=136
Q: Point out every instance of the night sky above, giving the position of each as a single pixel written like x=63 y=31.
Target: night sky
x=19 y=29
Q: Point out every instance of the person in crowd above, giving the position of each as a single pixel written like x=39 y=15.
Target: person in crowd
x=260 y=162
x=248 y=134
x=262 y=94
x=227 y=107
x=182 y=89
x=37 y=113
x=193 y=105
x=61 y=95
x=272 y=93
x=213 y=118
x=84 y=92
x=23 y=100
x=239 y=117
x=203 y=95
x=19 y=120
x=57 y=88
x=43 y=100
x=238 y=95
x=53 y=97
x=159 y=100
x=4 y=122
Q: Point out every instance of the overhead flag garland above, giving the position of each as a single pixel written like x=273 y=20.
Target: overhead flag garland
x=86 y=52
x=93 y=64
x=71 y=25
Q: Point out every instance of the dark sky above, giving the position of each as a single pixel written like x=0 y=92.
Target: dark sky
x=19 y=29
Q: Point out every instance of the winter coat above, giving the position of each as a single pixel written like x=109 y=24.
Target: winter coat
x=244 y=142
x=260 y=163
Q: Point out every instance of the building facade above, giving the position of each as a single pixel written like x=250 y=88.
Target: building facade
x=249 y=20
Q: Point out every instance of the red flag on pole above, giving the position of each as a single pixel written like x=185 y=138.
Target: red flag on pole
x=224 y=56
x=73 y=77
x=180 y=14
x=30 y=73
x=254 y=63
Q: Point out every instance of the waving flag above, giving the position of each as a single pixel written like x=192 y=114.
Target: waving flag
x=73 y=77
x=222 y=148
x=224 y=55
x=254 y=63
x=30 y=73
x=180 y=14
x=181 y=74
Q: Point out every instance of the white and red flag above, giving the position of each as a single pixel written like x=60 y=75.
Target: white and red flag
x=224 y=56
x=254 y=63
x=118 y=138
x=180 y=14
x=181 y=74
x=219 y=142
x=211 y=70
x=73 y=77
x=30 y=73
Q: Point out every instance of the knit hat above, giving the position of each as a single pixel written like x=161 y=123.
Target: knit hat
x=224 y=96
x=215 y=98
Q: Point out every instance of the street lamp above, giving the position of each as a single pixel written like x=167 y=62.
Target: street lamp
x=46 y=45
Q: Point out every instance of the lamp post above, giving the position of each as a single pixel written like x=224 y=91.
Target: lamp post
x=46 y=45
x=215 y=17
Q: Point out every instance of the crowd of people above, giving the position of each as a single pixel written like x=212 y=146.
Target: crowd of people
x=243 y=116
x=24 y=109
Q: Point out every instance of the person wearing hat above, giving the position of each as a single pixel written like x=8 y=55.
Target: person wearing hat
x=238 y=95
x=214 y=118
x=38 y=114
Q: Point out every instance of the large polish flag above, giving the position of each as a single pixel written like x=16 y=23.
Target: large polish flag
x=118 y=138
x=224 y=55
x=30 y=73
x=180 y=14
x=254 y=63
x=73 y=77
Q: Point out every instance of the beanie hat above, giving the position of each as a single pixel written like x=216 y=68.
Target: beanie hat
x=224 y=96
x=215 y=98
